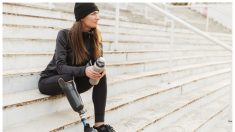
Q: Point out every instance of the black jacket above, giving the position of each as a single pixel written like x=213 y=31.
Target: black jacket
x=61 y=62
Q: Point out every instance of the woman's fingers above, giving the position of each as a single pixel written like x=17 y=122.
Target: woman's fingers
x=96 y=76
x=103 y=73
x=93 y=74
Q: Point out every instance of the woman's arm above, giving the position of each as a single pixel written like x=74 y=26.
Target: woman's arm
x=60 y=56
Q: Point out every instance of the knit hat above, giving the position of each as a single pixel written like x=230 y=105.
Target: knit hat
x=81 y=10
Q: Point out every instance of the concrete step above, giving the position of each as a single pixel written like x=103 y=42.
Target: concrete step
x=11 y=20
x=47 y=9
x=135 y=119
x=58 y=6
x=161 y=45
x=39 y=33
x=47 y=6
x=219 y=123
x=139 y=8
x=109 y=38
x=196 y=118
x=13 y=34
x=188 y=52
x=39 y=11
x=126 y=43
x=170 y=109
x=34 y=32
x=22 y=9
x=41 y=104
x=8 y=12
x=32 y=75
x=27 y=21
x=154 y=75
x=48 y=45
x=120 y=56
x=13 y=103
x=118 y=80
x=190 y=16
x=226 y=36
x=13 y=61
x=107 y=13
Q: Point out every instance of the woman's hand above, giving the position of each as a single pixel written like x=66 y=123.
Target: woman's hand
x=93 y=74
x=103 y=73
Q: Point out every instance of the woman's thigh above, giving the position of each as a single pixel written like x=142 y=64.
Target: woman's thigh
x=50 y=85
x=82 y=84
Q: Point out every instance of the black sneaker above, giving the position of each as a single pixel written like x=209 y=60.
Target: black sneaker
x=105 y=128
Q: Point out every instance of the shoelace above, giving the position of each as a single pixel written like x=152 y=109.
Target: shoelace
x=110 y=127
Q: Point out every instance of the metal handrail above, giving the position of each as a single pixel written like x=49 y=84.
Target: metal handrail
x=191 y=27
x=117 y=13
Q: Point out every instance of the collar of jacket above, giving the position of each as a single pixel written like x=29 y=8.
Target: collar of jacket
x=88 y=34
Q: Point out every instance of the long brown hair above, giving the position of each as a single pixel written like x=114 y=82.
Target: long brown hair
x=79 y=51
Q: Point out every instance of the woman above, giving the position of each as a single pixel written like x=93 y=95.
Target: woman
x=75 y=48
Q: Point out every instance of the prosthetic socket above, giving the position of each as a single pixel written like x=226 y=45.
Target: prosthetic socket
x=75 y=100
x=73 y=96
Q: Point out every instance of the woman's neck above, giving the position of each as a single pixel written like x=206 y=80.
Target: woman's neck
x=86 y=29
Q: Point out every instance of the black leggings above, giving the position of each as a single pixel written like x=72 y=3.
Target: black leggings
x=50 y=86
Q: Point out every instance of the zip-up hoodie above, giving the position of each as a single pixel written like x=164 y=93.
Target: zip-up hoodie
x=61 y=62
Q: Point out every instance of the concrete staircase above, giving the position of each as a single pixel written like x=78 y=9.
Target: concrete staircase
x=142 y=94
x=198 y=20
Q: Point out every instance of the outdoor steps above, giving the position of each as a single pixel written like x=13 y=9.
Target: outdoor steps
x=68 y=8
x=116 y=81
x=62 y=15
x=107 y=25
x=159 y=105
x=140 y=9
x=38 y=33
x=117 y=84
x=197 y=19
x=31 y=76
x=197 y=118
x=219 y=123
x=164 y=112
x=37 y=45
x=13 y=61
x=22 y=107
x=45 y=12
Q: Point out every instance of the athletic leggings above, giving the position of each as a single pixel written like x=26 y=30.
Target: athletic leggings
x=50 y=86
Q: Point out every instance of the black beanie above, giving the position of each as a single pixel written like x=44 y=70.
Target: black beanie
x=81 y=10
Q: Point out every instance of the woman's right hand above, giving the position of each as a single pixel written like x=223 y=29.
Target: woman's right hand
x=92 y=74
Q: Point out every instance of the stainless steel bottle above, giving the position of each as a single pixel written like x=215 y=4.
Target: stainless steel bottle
x=98 y=66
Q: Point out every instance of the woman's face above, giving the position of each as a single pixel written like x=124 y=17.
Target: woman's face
x=91 y=20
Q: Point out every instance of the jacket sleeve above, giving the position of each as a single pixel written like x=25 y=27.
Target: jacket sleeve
x=60 y=57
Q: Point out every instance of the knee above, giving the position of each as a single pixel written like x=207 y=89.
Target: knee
x=42 y=88
x=66 y=77
x=102 y=82
x=103 y=79
x=48 y=91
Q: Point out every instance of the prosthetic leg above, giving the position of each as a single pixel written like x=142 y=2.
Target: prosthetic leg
x=75 y=100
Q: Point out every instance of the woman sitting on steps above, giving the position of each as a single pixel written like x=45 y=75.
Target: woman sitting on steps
x=75 y=47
